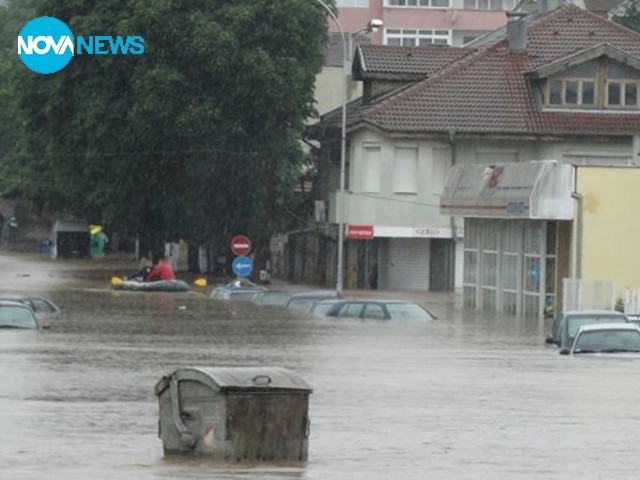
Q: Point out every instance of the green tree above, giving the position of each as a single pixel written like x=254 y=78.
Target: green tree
x=628 y=14
x=197 y=138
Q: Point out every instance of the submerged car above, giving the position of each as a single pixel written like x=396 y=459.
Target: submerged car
x=606 y=338
x=321 y=308
x=566 y=324
x=239 y=289
x=38 y=304
x=305 y=300
x=272 y=297
x=380 y=310
x=17 y=315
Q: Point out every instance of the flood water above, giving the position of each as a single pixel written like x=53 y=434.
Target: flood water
x=463 y=397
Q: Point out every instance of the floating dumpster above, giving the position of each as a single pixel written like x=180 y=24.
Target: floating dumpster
x=235 y=413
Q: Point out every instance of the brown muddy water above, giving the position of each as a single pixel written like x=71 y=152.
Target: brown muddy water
x=463 y=397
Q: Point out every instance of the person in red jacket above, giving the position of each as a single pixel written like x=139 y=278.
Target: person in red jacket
x=162 y=271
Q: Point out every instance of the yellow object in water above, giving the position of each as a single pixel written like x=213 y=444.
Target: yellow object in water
x=201 y=282
x=116 y=280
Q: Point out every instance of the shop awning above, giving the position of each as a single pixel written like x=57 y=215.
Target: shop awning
x=535 y=190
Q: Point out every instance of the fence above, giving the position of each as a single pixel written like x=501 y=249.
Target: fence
x=581 y=294
x=631 y=301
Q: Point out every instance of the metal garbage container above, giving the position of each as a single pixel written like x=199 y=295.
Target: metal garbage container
x=234 y=413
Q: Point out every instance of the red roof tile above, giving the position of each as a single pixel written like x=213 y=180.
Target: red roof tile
x=489 y=92
x=420 y=61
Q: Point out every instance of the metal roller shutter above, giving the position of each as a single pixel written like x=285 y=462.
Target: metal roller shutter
x=408 y=264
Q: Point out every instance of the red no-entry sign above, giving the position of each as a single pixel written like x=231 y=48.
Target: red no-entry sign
x=240 y=245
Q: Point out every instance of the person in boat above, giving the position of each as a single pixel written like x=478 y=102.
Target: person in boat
x=146 y=266
x=162 y=271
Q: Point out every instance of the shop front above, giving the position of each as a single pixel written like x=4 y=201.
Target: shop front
x=517 y=234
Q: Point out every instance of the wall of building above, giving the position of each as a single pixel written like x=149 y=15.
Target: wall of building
x=580 y=151
x=329 y=90
x=386 y=207
x=611 y=230
x=434 y=159
x=575 y=151
x=356 y=14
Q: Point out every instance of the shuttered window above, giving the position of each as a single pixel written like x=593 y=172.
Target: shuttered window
x=405 y=172
x=371 y=169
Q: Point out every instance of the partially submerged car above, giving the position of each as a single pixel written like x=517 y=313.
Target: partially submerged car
x=566 y=324
x=321 y=308
x=37 y=303
x=606 y=339
x=17 y=315
x=305 y=300
x=380 y=310
x=239 y=289
x=272 y=297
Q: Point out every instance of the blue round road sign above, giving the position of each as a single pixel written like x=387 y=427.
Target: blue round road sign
x=242 y=266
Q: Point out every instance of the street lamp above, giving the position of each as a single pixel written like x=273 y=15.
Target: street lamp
x=346 y=54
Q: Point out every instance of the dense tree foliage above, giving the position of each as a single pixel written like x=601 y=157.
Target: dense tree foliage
x=628 y=14
x=198 y=138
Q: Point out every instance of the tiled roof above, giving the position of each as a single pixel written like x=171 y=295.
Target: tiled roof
x=489 y=92
x=380 y=60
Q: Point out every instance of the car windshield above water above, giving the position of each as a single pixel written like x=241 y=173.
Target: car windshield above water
x=607 y=338
x=575 y=322
x=37 y=304
x=567 y=324
x=17 y=315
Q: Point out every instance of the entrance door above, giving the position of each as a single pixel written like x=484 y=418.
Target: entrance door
x=441 y=272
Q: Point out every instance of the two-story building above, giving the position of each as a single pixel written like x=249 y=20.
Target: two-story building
x=425 y=22
x=440 y=22
x=559 y=84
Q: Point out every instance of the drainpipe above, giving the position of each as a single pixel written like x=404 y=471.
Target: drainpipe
x=579 y=201
x=452 y=138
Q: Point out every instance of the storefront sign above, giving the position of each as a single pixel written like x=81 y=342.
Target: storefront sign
x=360 y=232
x=432 y=232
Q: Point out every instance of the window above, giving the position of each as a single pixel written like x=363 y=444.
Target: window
x=351 y=310
x=373 y=311
x=488 y=4
x=570 y=92
x=371 y=169
x=622 y=93
x=413 y=37
x=405 y=172
x=599 y=83
x=418 y=3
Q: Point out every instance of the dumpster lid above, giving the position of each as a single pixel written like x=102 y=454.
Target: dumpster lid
x=239 y=378
x=71 y=225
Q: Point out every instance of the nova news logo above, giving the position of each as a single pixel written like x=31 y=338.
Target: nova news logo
x=46 y=45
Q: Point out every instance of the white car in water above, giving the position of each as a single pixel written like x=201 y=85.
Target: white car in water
x=621 y=339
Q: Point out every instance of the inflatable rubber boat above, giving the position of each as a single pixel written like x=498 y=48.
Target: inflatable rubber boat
x=159 y=286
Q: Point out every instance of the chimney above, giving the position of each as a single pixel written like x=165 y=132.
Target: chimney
x=517 y=25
